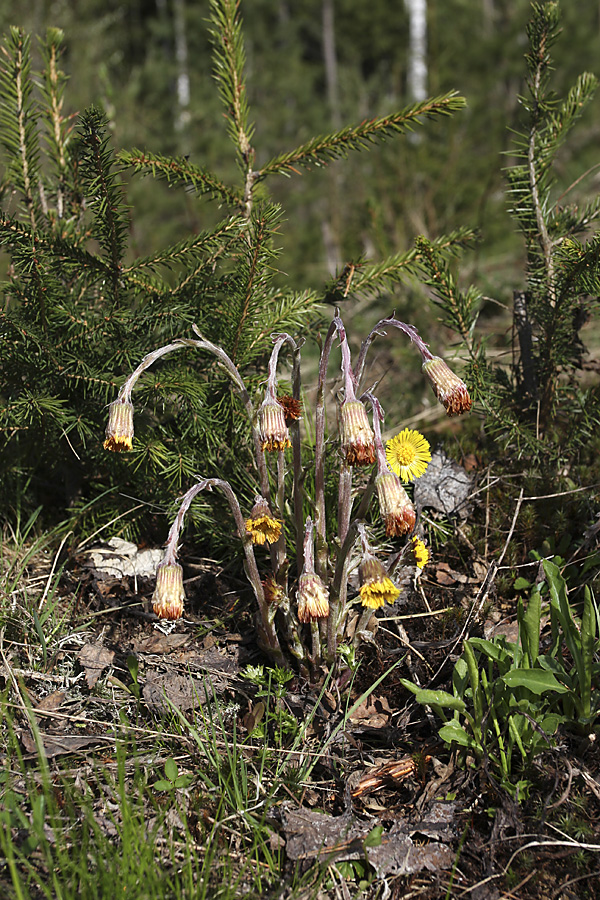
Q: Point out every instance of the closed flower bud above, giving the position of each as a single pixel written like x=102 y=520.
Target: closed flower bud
x=119 y=431
x=375 y=585
x=274 y=434
x=395 y=507
x=356 y=435
x=169 y=595
x=261 y=526
x=450 y=390
x=312 y=599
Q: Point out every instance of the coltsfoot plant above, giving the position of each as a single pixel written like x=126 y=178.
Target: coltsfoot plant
x=307 y=618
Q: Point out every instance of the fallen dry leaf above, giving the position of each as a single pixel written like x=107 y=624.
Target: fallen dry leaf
x=375 y=712
x=159 y=643
x=310 y=834
x=183 y=691
x=50 y=703
x=58 y=745
x=94 y=659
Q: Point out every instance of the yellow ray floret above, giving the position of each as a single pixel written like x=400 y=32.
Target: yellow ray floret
x=408 y=454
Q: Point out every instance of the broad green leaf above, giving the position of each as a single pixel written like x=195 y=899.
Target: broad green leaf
x=171 y=769
x=521 y=584
x=373 y=839
x=453 y=733
x=439 y=698
x=535 y=680
x=530 y=627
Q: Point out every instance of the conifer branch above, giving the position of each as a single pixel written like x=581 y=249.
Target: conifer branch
x=368 y=279
x=58 y=129
x=218 y=239
x=104 y=188
x=18 y=131
x=229 y=59
x=179 y=171
x=326 y=148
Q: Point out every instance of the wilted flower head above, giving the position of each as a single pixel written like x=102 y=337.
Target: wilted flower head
x=408 y=454
x=292 y=408
x=274 y=594
x=274 y=434
x=261 y=526
x=420 y=553
x=395 y=507
x=450 y=390
x=169 y=595
x=119 y=431
x=312 y=597
x=356 y=435
x=375 y=585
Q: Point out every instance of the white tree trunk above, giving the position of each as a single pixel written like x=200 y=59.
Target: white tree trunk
x=182 y=116
x=417 y=55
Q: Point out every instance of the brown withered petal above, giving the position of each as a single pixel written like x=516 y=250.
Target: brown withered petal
x=292 y=408
x=273 y=592
x=356 y=435
x=169 y=595
x=450 y=390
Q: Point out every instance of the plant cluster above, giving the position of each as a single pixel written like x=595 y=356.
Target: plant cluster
x=508 y=699
x=320 y=550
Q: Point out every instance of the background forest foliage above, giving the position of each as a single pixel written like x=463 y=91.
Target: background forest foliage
x=307 y=73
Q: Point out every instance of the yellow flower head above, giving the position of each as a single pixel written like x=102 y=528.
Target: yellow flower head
x=169 y=595
x=420 y=553
x=261 y=526
x=408 y=454
x=119 y=431
x=375 y=586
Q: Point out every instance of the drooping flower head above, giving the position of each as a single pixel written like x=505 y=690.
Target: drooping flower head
x=312 y=597
x=274 y=434
x=408 y=454
x=376 y=587
x=273 y=430
x=395 y=506
x=262 y=526
x=169 y=594
x=119 y=431
x=450 y=390
x=356 y=435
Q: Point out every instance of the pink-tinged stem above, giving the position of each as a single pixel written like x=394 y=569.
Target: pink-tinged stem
x=252 y=573
x=409 y=330
x=294 y=429
x=322 y=552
